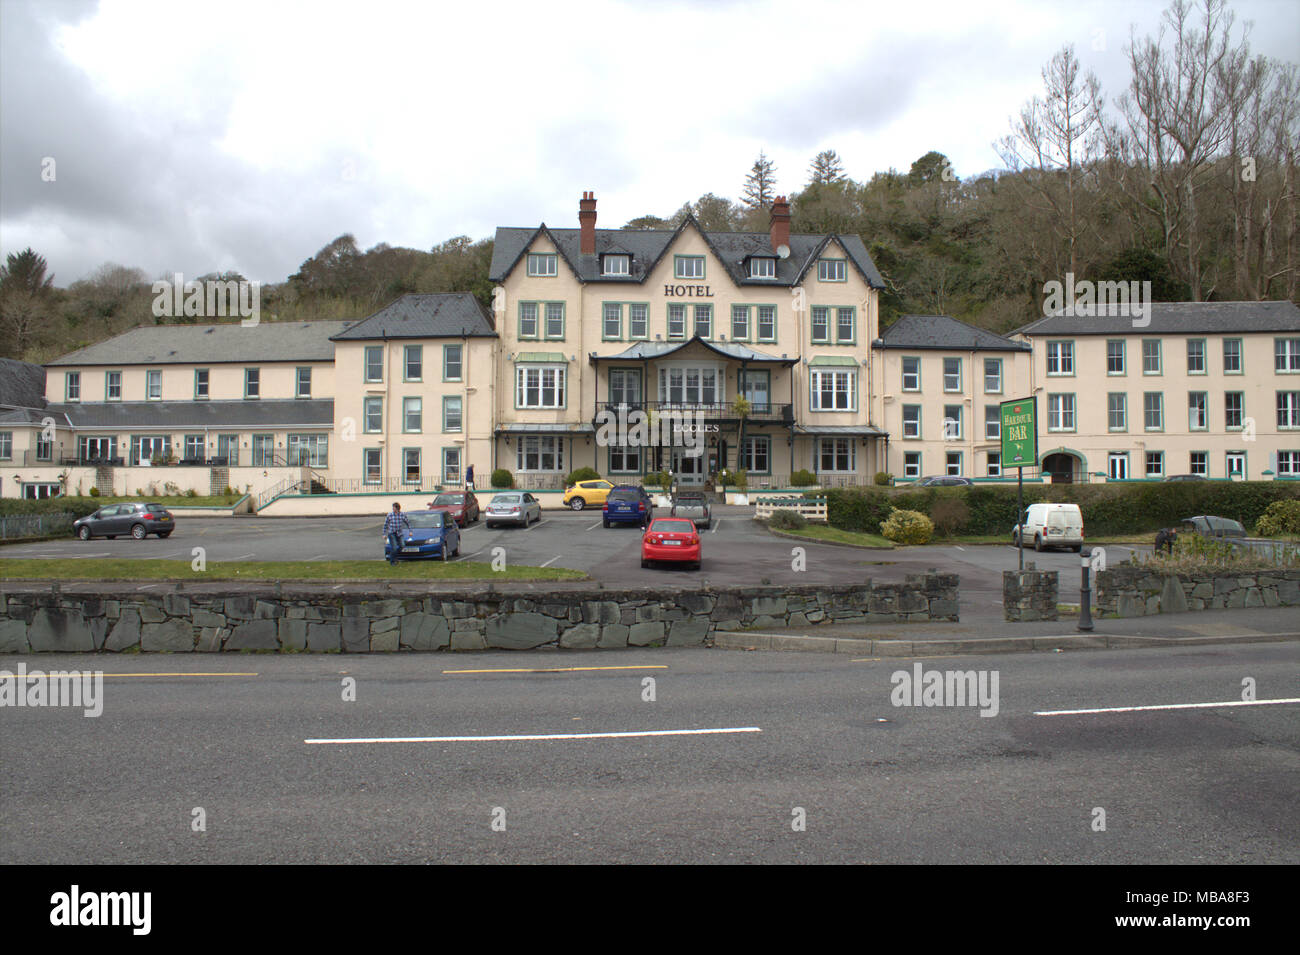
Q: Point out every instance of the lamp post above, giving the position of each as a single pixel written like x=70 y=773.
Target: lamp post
x=1085 y=590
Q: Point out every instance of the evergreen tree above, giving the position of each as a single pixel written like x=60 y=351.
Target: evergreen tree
x=760 y=184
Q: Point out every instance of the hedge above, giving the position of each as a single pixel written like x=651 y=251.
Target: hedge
x=1110 y=508
x=76 y=506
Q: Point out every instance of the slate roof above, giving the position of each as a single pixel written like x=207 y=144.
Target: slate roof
x=211 y=344
x=648 y=246
x=915 y=332
x=1178 y=318
x=648 y=351
x=22 y=384
x=442 y=315
x=212 y=415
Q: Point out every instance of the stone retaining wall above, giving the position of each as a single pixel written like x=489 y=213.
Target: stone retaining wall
x=1029 y=594
x=274 y=618
x=1139 y=591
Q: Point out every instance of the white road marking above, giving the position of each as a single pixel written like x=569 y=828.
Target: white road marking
x=713 y=529
x=551 y=561
x=548 y=736
x=147 y=587
x=467 y=556
x=959 y=547
x=318 y=557
x=240 y=557
x=594 y=526
x=538 y=524
x=1166 y=706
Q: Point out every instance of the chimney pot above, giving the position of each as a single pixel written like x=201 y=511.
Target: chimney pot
x=587 y=223
x=780 y=224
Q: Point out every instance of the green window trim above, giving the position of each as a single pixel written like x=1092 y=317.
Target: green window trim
x=677 y=267
x=550 y=259
x=536 y=310
x=813 y=337
x=1065 y=347
x=1123 y=356
x=843 y=269
x=1159 y=356
x=758 y=312
x=853 y=316
x=461 y=402
x=1205 y=356
x=920 y=423
x=756 y=438
x=445 y=353
x=632 y=336
x=749 y=327
x=604 y=331
x=668 y=327
x=545 y=326
x=902 y=366
x=839 y=361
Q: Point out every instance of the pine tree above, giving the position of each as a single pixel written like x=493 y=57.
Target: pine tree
x=760 y=184
x=826 y=167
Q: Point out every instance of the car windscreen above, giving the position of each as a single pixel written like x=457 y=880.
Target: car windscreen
x=449 y=499
x=690 y=498
x=673 y=527
x=624 y=496
x=425 y=520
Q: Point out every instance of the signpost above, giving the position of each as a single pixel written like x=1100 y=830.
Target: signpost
x=1020 y=450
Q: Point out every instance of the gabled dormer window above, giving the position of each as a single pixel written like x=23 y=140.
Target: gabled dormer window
x=762 y=267
x=616 y=264
x=541 y=264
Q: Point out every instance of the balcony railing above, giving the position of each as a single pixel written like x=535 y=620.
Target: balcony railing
x=277 y=459
x=762 y=412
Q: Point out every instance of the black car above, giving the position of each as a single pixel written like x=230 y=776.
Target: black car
x=114 y=520
x=945 y=480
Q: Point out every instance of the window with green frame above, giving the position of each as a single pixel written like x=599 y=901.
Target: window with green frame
x=766 y=323
x=543 y=264
x=821 y=324
x=676 y=320
x=846 y=325
x=688 y=266
x=611 y=321
x=740 y=323
x=638 y=320
x=756 y=454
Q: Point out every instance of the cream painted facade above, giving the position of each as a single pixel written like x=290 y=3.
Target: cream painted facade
x=940 y=408
x=424 y=429
x=556 y=323
x=1137 y=406
x=190 y=382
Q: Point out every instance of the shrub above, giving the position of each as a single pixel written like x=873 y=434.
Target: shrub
x=502 y=477
x=856 y=509
x=907 y=527
x=1281 y=517
x=803 y=479
x=949 y=515
x=657 y=479
x=784 y=520
x=191 y=493
x=884 y=478
x=740 y=479
x=582 y=474
x=94 y=492
x=77 y=507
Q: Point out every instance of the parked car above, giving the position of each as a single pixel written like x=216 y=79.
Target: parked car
x=1186 y=477
x=694 y=506
x=945 y=480
x=114 y=520
x=1050 y=525
x=628 y=504
x=1208 y=525
x=512 y=507
x=587 y=494
x=672 y=538
x=432 y=534
x=462 y=505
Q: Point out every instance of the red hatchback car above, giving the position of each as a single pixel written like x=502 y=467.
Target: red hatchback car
x=671 y=538
x=461 y=505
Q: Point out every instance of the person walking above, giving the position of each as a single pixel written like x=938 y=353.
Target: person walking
x=393 y=525
x=469 y=478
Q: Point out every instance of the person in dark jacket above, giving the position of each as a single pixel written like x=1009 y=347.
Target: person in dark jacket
x=469 y=478
x=1165 y=538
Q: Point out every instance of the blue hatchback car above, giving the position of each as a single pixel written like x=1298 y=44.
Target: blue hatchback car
x=628 y=504
x=432 y=534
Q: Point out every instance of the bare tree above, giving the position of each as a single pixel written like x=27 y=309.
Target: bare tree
x=1051 y=142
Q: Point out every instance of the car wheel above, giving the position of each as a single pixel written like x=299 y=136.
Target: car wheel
x=456 y=552
x=138 y=532
x=1038 y=543
x=444 y=552
x=84 y=533
x=577 y=503
x=696 y=565
x=1076 y=548
x=644 y=562
x=606 y=523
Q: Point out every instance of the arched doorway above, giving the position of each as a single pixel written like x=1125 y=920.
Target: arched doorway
x=1063 y=467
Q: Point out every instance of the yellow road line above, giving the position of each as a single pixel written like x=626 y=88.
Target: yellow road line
x=657 y=666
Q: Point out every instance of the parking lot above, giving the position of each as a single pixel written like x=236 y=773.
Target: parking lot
x=736 y=551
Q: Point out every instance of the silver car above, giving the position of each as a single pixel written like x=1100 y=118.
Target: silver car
x=693 y=504
x=513 y=507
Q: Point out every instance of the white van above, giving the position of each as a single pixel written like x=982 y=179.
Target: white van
x=1051 y=525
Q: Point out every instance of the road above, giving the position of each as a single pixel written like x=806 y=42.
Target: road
x=806 y=732
x=737 y=550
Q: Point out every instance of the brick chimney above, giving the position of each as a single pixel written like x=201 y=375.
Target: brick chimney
x=587 y=222
x=780 y=223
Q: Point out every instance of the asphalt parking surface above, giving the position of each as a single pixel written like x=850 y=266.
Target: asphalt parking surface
x=736 y=551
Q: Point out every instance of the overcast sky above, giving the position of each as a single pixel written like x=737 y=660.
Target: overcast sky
x=195 y=137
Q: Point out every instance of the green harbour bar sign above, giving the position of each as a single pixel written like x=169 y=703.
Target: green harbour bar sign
x=1020 y=433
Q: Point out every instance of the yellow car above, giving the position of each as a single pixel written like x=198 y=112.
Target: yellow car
x=587 y=494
